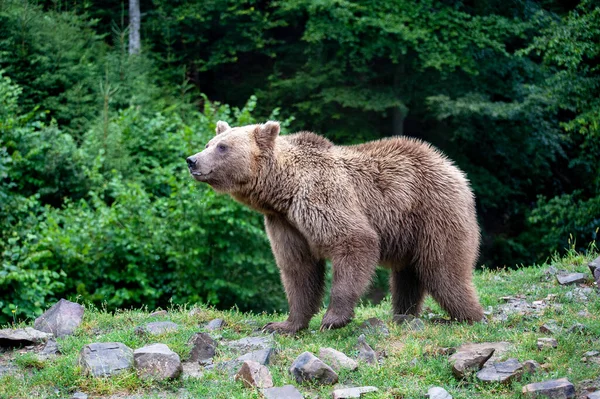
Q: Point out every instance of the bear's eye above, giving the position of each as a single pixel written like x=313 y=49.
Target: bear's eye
x=206 y=146
x=221 y=147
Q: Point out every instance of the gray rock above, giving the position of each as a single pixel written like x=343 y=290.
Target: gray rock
x=8 y=370
x=374 y=325
x=253 y=374
x=61 y=319
x=365 y=352
x=105 y=359
x=466 y=361
x=337 y=360
x=216 y=324
x=503 y=372
x=157 y=328
x=551 y=327
x=345 y=393
x=438 y=393
x=157 y=361
x=592 y=395
x=546 y=343
x=158 y=313
x=309 y=368
x=22 y=336
x=530 y=366
x=554 y=389
x=577 y=328
x=594 y=265
x=79 y=395
x=203 y=347
x=250 y=344
x=262 y=356
x=410 y=321
x=570 y=278
x=191 y=370
x=50 y=349
x=580 y=294
x=500 y=348
x=284 y=392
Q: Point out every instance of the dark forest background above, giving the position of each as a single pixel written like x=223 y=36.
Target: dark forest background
x=95 y=198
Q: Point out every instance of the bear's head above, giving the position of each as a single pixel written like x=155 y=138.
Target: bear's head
x=232 y=158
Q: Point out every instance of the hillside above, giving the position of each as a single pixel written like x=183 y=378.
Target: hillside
x=522 y=305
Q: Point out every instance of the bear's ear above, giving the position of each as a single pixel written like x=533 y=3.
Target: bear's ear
x=266 y=134
x=222 y=126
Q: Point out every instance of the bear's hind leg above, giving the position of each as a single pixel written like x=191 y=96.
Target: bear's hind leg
x=456 y=295
x=407 y=291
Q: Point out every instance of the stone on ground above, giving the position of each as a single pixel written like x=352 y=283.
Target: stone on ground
x=158 y=313
x=337 y=360
x=357 y=392
x=438 y=393
x=503 y=372
x=50 y=349
x=250 y=344
x=593 y=395
x=570 y=278
x=500 y=348
x=546 y=343
x=594 y=265
x=365 y=352
x=61 y=319
x=216 y=324
x=530 y=366
x=191 y=370
x=554 y=389
x=203 y=348
x=79 y=395
x=22 y=336
x=550 y=327
x=465 y=361
x=411 y=322
x=284 y=392
x=104 y=359
x=309 y=368
x=8 y=370
x=157 y=361
x=262 y=356
x=157 y=328
x=374 y=325
x=253 y=374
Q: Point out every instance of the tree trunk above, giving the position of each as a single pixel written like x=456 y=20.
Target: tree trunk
x=134 y=27
x=398 y=113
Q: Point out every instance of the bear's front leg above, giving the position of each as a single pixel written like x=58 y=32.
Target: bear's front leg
x=354 y=261
x=302 y=274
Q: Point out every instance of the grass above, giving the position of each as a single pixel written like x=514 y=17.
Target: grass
x=412 y=364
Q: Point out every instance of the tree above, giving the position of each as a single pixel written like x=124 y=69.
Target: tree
x=134 y=27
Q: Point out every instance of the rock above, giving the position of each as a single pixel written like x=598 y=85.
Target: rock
x=577 y=328
x=465 y=361
x=503 y=372
x=580 y=294
x=438 y=393
x=554 y=389
x=158 y=313
x=61 y=319
x=22 y=336
x=105 y=359
x=79 y=395
x=216 y=324
x=250 y=344
x=592 y=395
x=345 y=393
x=337 y=360
x=309 y=368
x=156 y=328
x=203 y=347
x=262 y=356
x=410 y=321
x=530 y=366
x=253 y=374
x=8 y=370
x=500 y=348
x=570 y=278
x=284 y=392
x=365 y=352
x=374 y=326
x=157 y=361
x=550 y=328
x=50 y=349
x=191 y=370
x=594 y=265
x=546 y=343
x=519 y=306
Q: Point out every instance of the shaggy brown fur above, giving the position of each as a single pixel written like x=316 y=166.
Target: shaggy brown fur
x=396 y=202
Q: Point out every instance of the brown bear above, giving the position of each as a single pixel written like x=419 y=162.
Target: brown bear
x=397 y=202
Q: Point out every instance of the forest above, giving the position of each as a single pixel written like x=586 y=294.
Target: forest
x=100 y=104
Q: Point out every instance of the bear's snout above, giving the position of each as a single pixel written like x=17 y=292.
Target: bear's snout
x=191 y=162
